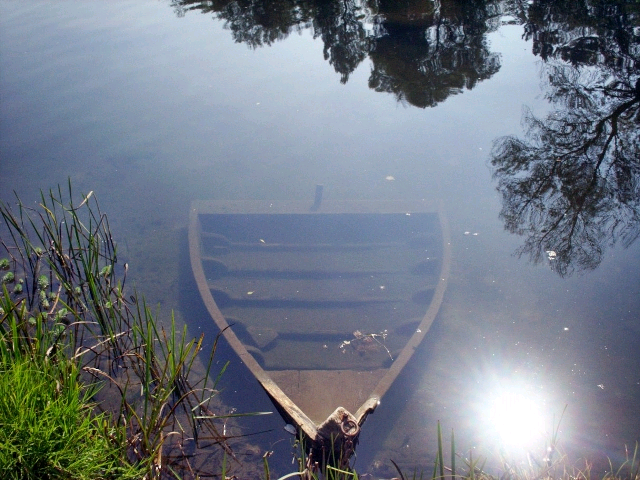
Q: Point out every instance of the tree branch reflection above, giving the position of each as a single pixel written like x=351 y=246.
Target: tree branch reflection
x=432 y=50
x=572 y=186
x=422 y=51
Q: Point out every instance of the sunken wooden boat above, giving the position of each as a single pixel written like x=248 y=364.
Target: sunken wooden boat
x=325 y=306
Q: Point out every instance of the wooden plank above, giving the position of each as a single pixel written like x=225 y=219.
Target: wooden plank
x=352 y=265
x=371 y=318
x=328 y=207
x=287 y=353
x=219 y=242
x=318 y=393
x=327 y=294
x=316 y=232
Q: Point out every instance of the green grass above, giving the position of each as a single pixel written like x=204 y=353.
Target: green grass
x=555 y=466
x=47 y=426
x=451 y=464
x=75 y=324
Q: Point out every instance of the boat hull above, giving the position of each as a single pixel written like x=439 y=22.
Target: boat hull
x=324 y=306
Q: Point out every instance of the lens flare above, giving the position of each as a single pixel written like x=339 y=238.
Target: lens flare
x=517 y=419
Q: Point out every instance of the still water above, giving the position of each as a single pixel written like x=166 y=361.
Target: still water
x=522 y=117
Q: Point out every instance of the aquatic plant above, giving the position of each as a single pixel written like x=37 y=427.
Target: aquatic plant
x=73 y=311
x=313 y=465
x=554 y=465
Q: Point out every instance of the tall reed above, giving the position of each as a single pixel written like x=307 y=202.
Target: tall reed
x=553 y=466
x=66 y=299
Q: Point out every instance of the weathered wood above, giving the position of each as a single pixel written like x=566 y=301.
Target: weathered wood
x=372 y=317
x=346 y=285
x=286 y=407
x=244 y=266
x=221 y=244
x=262 y=336
x=293 y=297
x=424 y=326
x=383 y=260
x=308 y=388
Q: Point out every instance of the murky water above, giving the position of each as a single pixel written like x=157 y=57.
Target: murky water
x=152 y=105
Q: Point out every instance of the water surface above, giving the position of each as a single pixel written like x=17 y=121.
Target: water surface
x=154 y=104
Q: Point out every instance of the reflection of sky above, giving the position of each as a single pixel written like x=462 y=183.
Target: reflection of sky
x=151 y=111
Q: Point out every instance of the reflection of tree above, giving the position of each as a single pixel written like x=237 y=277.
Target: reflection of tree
x=254 y=22
x=574 y=186
x=422 y=50
x=584 y=32
x=429 y=54
x=346 y=41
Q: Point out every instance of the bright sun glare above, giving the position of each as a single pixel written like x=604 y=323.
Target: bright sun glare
x=516 y=418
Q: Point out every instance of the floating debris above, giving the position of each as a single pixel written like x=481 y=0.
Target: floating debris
x=551 y=254
x=290 y=429
x=389 y=178
x=369 y=342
